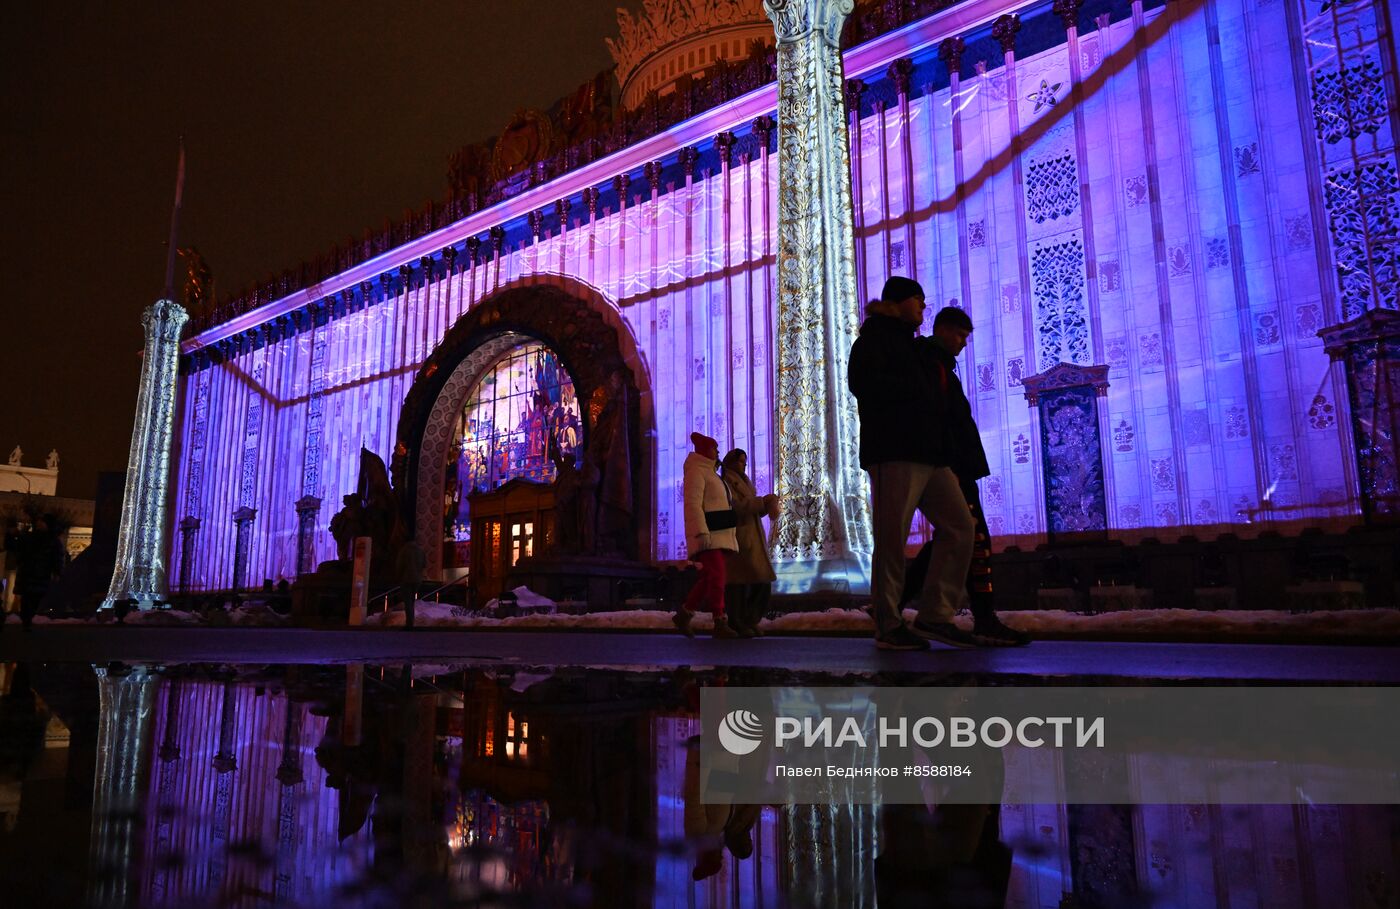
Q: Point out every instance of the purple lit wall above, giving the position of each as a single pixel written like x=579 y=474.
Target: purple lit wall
x=201 y=815
x=1127 y=192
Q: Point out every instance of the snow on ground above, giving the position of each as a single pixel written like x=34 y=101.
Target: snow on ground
x=1361 y=622
x=1164 y=623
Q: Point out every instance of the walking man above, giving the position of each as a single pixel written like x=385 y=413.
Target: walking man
x=967 y=457
x=905 y=449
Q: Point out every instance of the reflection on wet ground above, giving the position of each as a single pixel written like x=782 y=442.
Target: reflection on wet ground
x=401 y=785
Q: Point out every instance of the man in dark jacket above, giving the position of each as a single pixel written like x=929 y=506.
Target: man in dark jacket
x=904 y=448
x=967 y=457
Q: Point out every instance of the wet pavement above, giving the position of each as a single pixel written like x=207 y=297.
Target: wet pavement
x=191 y=767
x=1242 y=662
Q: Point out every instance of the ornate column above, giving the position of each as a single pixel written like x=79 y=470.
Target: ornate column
x=242 y=540
x=189 y=535
x=166 y=808
x=140 y=574
x=225 y=763
x=1071 y=449
x=1368 y=348
x=822 y=538
x=126 y=707
x=289 y=776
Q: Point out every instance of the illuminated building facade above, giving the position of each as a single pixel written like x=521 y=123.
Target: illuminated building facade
x=1150 y=211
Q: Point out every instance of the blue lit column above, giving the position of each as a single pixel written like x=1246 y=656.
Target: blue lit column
x=141 y=573
x=822 y=538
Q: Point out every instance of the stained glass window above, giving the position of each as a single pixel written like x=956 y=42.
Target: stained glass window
x=524 y=400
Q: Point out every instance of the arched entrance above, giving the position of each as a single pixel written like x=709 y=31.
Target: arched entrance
x=592 y=343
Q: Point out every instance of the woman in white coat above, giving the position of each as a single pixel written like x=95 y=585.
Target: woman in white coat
x=709 y=534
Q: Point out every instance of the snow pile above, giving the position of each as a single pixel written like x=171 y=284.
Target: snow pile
x=164 y=617
x=1165 y=623
x=425 y=613
x=527 y=602
x=258 y=616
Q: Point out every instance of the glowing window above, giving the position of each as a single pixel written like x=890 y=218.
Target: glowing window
x=524 y=401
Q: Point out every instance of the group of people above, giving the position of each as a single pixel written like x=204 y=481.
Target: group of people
x=921 y=447
x=724 y=533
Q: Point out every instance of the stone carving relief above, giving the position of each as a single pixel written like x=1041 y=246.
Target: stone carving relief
x=1052 y=189
x=1362 y=210
x=1349 y=102
x=1057 y=279
x=1075 y=499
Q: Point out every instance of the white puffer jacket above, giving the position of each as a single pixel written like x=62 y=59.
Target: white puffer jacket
x=702 y=491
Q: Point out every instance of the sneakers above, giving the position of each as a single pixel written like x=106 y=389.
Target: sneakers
x=945 y=633
x=722 y=629
x=900 y=638
x=995 y=634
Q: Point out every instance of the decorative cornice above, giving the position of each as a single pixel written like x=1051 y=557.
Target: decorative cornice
x=663 y=23
x=1065 y=375
x=1373 y=325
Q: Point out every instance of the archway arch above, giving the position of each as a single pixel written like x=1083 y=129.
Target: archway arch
x=591 y=339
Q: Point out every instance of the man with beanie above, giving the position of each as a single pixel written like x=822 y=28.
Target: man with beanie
x=709 y=534
x=951 y=328
x=905 y=449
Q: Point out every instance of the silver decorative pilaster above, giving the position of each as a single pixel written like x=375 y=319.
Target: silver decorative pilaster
x=822 y=539
x=141 y=552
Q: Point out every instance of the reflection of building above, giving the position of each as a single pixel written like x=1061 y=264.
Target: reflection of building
x=1147 y=216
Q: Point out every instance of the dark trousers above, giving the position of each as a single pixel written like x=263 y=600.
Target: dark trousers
x=746 y=603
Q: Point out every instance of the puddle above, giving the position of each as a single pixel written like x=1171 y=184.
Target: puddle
x=486 y=785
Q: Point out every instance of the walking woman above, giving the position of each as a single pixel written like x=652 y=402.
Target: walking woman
x=749 y=572
x=709 y=535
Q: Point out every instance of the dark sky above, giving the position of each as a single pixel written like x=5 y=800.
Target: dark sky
x=304 y=123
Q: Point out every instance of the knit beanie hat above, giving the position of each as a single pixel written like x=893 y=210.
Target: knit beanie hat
x=899 y=288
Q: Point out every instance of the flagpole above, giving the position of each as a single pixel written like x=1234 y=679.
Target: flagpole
x=170 y=250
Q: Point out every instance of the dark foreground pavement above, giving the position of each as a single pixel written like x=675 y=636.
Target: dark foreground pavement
x=1044 y=659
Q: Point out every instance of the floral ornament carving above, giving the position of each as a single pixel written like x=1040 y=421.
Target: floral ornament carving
x=1052 y=189
x=1321 y=415
x=1349 y=102
x=1363 y=208
x=825 y=504
x=1061 y=320
x=795 y=20
x=1044 y=95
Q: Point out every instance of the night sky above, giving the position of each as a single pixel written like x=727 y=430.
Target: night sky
x=304 y=123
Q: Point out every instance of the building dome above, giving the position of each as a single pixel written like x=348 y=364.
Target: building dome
x=675 y=39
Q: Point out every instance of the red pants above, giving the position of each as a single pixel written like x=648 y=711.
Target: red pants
x=708 y=592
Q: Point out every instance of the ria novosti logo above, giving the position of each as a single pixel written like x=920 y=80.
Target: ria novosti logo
x=740 y=732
